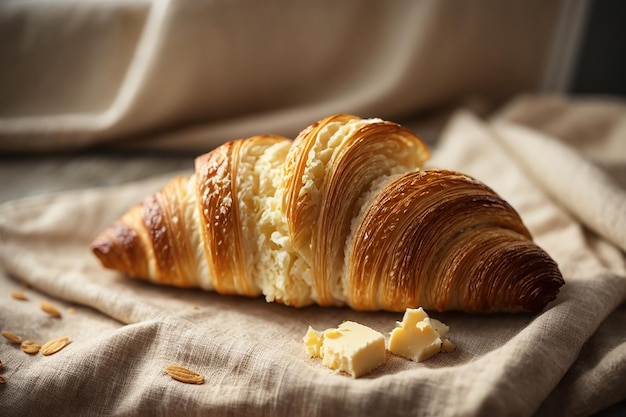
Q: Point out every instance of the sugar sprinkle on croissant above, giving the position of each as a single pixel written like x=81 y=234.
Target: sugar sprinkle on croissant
x=342 y=215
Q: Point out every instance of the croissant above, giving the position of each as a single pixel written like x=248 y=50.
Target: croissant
x=342 y=215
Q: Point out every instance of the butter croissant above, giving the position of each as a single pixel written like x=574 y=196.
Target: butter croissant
x=343 y=215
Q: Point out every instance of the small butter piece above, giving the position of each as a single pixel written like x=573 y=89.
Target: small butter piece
x=352 y=348
x=313 y=342
x=439 y=327
x=418 y=337
x=447 y=346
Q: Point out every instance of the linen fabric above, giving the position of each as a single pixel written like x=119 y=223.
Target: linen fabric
x=189 y=75
x=568 y=360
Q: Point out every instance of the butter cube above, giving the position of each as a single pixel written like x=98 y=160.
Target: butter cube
x=352 y=348
x=418 y=337
x=313 y=342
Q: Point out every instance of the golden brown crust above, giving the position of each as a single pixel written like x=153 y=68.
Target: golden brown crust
x=440 y=240
x=219 y=183
x=297 y=205
x=216 y=176
x=120 y=247
x=513 y=275
x=351 y=220
x=319 y=225
x=151 y=240
x=164 y=219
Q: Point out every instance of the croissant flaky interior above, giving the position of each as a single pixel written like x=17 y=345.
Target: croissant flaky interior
x=343 y=215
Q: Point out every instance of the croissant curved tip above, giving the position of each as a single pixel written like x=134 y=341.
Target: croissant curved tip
x=539 y=280
x=115 y=248
x=539 y=299
x=103 y=246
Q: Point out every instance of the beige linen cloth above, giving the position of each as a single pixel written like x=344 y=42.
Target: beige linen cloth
x=187 y=74
x=568 y=360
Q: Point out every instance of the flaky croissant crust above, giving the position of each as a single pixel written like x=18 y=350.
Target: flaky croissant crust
x=342 y=215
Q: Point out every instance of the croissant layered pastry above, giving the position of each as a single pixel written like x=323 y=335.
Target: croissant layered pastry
x=344 y=214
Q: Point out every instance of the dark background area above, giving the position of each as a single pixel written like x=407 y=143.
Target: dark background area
x=601 y=64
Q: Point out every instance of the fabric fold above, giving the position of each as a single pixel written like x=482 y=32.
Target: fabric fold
x=197 y=74
x=585 y=190
x=124 y=332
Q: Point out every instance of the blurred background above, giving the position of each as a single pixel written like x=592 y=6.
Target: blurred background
x=96 y=93
x=599 y=62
